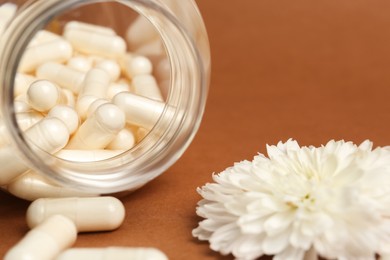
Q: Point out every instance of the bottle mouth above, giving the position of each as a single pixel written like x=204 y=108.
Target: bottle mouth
x=172 y=131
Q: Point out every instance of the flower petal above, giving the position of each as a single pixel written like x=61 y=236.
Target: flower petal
x=290 y=253
x=278 y=222
x=275 y=244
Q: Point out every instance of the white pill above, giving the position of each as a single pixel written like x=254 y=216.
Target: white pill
x=83 y=104
x=43 y=95
x=21 y=106
x=80 y=63
x=70 y=99
x=87 y=155
x=98 y=130
x=141 y=32
x=112 y=253
x=117 y=87
x=88 y=214
x=45 y=241
x=95 y=59
x=7 y=11
x=95 y=86
x=22 y=98
x=95 y=104
x=32 y=186
x=56 y=51
x=22 y=83
x=24 y=120
x=146 y=85
x=67 y=115
x=43 y=36
x=140 y=111
x=96 y=83
x=61 y=75
x=153 y=48
x=125 y=140
x=49 y=134
x=89 y=42
x=133 y=65
x=12 y=167
x=76 y=25
x=111 y=67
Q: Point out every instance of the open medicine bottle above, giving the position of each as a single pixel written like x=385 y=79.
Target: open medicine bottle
x=170 y=33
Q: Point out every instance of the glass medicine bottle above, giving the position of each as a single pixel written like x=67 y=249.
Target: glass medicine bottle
x=170 y=33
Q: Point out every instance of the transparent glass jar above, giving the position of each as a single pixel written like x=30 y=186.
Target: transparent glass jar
x=181 y=64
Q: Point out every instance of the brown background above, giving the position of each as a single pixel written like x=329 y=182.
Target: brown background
x=312 y=70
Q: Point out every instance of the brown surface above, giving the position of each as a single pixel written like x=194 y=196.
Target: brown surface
x=309 y=70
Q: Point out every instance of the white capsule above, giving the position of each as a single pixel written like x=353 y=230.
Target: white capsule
x=117 y=87
x=43 y=36
x=22 y=83
x=125 y=140
x=11 y=165
x=83 y=104
x=26 y=120
x=95 y=104
x=98 y=130
x=146 y=85
x=88 y=214
x=56 y=51
x=113 y=253
x=153 y=48
x=133 y=65
x=96 y=83
x=77 y=25
x=89 y=42
x=139 y=111
x=22 y=98
x=141 y=32
x=95 y=86
x=49 y=134
x=87 y=155
x=95 y=59
x=80 y=63
x=56 y=234
x=67 y=115
x=111 y=67
x=43 y=95
x=7 y=11
x=70 y=99
x=61 y=75
x=21 y=106
x=32 y=186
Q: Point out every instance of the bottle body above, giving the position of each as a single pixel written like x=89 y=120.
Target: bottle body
x=145 y=87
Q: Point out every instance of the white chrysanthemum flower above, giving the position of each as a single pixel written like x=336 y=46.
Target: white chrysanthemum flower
x=332 y=200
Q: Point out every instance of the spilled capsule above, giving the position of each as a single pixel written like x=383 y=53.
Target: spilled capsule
x=55 y=233
x=88 y=214
x=113 y=253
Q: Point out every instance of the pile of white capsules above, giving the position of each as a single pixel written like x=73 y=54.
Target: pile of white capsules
x=80 y=96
